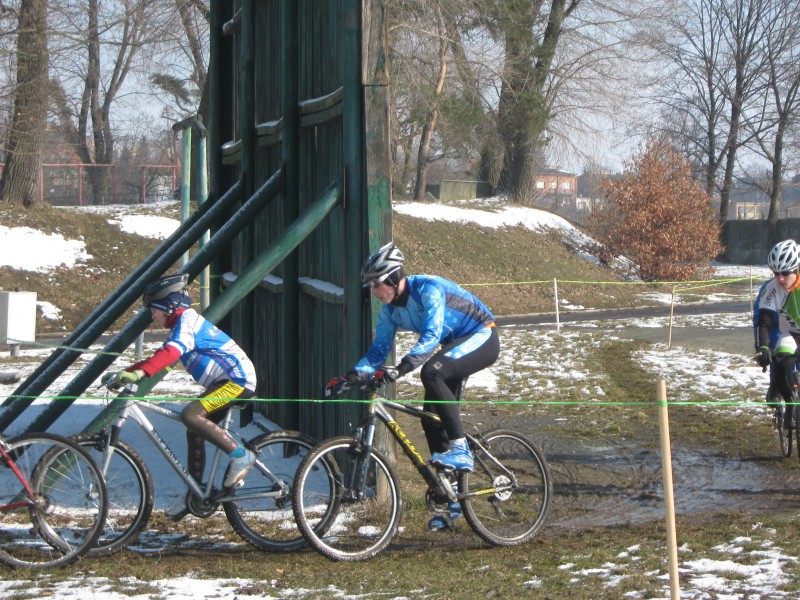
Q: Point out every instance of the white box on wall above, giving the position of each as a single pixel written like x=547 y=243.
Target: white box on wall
x=17 y=317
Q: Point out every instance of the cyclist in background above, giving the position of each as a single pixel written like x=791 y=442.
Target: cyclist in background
x=442 y=313
x=215 y=361
x=775 y=309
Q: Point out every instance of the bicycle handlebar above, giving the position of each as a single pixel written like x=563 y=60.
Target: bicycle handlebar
x=108 y=382
x=337 y=386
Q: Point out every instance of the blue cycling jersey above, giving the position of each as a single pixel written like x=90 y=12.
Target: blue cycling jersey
x=437 y=309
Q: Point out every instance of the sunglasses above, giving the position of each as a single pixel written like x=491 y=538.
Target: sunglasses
x=783 y=273
x=373 y=284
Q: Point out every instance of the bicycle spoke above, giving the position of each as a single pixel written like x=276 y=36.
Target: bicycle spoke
x=261 y=511
x=62 y=517
x=340 y=518
x=516 y=509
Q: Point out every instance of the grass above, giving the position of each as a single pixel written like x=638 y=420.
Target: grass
x=562 y=562
x=510 y=269
x=75 y=291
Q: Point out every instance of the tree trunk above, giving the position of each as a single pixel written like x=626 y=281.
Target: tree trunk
x=523 y=110
x=777 y=176
x=18 y=184
x=424 y=153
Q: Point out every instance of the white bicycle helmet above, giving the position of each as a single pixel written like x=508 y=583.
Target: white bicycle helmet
x=785 y=256
x=385 y=264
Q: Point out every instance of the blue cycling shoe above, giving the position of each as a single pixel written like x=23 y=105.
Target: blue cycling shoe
x=444 y=521
x=457 y=458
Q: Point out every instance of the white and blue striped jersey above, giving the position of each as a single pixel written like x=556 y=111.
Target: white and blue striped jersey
x=208 y=353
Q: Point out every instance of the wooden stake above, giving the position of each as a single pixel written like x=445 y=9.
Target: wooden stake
x=671 y=313
x=555 y=294
x=669 y=498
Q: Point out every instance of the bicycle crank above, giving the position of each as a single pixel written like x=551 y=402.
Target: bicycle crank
x=201 y=508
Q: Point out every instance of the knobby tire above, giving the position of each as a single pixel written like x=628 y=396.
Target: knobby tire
x=514 y=513
x=336 y=523
x=130 y=493
x=267 y=523
x=66 y=511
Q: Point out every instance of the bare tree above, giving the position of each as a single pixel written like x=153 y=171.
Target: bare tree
x=435 y=114
x=105 y=55
x=530 y=35
x=713 y=81
x=429 y=125
x=18 y=184
x=781 y=48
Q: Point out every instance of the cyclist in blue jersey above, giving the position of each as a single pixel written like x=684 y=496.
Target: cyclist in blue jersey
x=457 y=337
x=215 y=361
x=773 y=317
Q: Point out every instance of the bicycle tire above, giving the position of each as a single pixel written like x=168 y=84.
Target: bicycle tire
x=514 y=514
x=794 y=425
x=130 y=493
x=784 y=433
x=268 y=523
x=66 y=511
x=356 y=529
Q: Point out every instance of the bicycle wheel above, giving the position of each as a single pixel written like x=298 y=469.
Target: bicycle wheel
x=784 y=433
x=130 y=492
x=266 y=522
x=335 y=519
x=53 y=504
x=501 y=510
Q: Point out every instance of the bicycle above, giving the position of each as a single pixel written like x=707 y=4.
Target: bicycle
x=354 y=513
x=259 y=509
x=784 y=416
x=52 y=501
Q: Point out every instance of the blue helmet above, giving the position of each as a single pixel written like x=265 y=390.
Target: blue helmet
x=168 y=294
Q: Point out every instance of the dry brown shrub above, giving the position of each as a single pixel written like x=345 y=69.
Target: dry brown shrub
x=659 y=217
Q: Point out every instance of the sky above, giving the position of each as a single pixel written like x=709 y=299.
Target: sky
x=538 y=359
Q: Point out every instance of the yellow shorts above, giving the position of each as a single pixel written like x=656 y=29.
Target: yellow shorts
x=217 y=397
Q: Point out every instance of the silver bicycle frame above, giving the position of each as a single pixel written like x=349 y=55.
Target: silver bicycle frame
x=133 y=408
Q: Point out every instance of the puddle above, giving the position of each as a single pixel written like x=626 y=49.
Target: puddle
x=602 y=486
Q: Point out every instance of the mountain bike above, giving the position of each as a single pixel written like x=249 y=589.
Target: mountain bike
x=354 y=512
x=52 y=501
x=259 y=509
x=784 y=416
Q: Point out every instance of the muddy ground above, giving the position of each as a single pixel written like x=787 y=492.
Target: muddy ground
x=606 y=481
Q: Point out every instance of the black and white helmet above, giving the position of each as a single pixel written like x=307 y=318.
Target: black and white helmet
x=168 y=293
x=784 y=257
x=385 y=264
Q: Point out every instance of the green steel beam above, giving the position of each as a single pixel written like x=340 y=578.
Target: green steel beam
x=282 y=247
x=102 y=317
x=290 y=92
x=221 y=238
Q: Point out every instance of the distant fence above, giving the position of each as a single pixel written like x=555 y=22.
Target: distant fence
x=748 y=242
x=68 y=184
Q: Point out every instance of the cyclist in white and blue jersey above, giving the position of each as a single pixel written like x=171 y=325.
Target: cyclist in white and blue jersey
x=215 y=361
x=457 y=337
x=774 y=319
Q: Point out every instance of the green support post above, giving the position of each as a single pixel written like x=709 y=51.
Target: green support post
x=291 y=160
